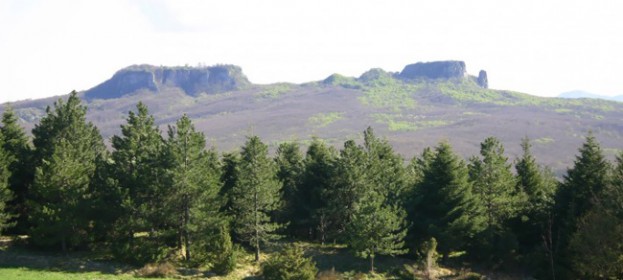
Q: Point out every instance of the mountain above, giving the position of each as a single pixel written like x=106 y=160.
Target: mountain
x=423 y=104
x=584 y=94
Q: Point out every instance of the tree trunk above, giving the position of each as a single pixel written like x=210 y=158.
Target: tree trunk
x=64 y=244
x=186 y=234
x=257 y=225
x=371 y=263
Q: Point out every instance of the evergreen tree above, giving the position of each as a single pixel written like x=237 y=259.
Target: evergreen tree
x=289 y=161
x=494 y=183
x=256 y=196
x=385 y=168
x=376 y=228
x=230 y=165
x=349 y=187
x=19 y=157
x=595 y=248
x=445 y=206
x=289 y=264
x=140 y=173
x=311 y=200
x=68 y=148
x=194 y=180
x=576 y=196
x=5 y=192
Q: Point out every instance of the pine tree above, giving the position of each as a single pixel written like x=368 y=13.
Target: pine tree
x=289 y=161
x=140 y=173
x=230 y=165
x=576 y=196
x=19 y=157
x=595 y=248
x=349 y=187
x=385 y=168
x=194 y=179
x=494 y=183
x=67 y=148
x=5 y=192
x=311 y=199
x=376 y=228
x=256 y=196
x=445 y=206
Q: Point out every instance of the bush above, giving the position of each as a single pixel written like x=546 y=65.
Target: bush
x=157 y=270
x=329 y=275
x=289 y=264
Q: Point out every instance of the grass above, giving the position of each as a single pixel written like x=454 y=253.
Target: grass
x=398 y=122
x=274 y=91
x=23 y=273
x=324 y=119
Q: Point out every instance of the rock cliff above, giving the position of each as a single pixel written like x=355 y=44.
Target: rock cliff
x=434 y=70
x=193 y=80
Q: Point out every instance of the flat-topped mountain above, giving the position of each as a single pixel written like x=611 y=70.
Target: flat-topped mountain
x=193 y=80
x=418 y=107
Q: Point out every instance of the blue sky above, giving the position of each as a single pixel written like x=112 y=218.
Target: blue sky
x=538 y=47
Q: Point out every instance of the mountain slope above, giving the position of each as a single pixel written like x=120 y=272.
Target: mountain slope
x=412 y=112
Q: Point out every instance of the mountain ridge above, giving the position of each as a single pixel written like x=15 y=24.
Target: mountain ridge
x=411 y=113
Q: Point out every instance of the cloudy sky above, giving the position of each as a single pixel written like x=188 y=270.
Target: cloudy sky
x=542 y=47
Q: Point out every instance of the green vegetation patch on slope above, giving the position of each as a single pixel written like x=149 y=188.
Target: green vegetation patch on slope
x=398 y=122
x=324 y=119
x=389 y=93
x=275 y=90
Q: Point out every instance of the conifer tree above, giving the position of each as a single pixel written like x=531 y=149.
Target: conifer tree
x=5 y=192
x=19 y=158
x=385 y=168
x=140 y=172
x=67 y=147
x=349 y=187
x=445 y=205
x=230 y=165
x=376 y=228
x=194 y=181
x=595 y=248
x=576 y=196
x=256 y=196
x=494 y=183
x=311 y=197
x=289 y=161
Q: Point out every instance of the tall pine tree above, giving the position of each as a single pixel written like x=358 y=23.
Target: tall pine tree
x=19 y=157
x=194 y=176
x=289 y=161
x=445 y=206
x=256 y=196
x=140 y=172
x=67 y=147
x=576 y=196
x=5 y=192
x=311 y=201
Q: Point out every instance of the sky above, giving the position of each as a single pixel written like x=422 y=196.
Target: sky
x=542 y=47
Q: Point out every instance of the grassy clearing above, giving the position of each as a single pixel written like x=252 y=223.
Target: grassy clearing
x=331 y=260
x=22 y=273
x=275 y=90
x=324 y=119
x=398 y=122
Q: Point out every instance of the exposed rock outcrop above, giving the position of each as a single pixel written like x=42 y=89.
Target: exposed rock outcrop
x=193 y=80
x=482 y=80
x=434 y=70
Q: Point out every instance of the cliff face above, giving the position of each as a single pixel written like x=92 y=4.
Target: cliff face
x=193 y=80
x=434 y=70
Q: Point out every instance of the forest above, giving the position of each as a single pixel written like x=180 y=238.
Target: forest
x=153 y=197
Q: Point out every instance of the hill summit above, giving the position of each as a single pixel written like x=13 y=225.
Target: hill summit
x=192 y=80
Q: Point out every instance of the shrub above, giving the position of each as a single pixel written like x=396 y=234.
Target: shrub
x=289 y=264
x=157 y=270
x=329 y=275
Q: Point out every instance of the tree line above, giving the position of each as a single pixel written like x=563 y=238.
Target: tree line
x=150 y=198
